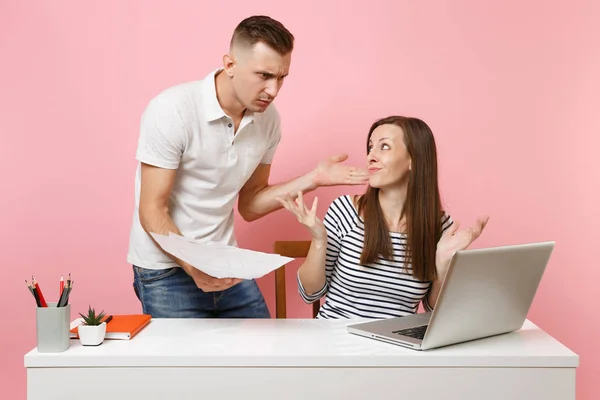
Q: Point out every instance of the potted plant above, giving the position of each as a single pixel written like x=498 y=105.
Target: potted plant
x=93 y=329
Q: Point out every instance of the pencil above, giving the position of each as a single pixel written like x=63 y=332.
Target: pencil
x=36 y=295
x=61 y=299
x=69 y=292
x=32 y=293
x=39 y=290
x=29 y=287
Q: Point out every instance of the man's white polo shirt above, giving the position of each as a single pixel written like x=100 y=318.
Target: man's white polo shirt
x=185 y=128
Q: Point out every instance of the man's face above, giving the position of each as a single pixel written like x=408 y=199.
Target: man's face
x=257 y=75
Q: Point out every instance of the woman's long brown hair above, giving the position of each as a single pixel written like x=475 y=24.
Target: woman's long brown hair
x=422 y=209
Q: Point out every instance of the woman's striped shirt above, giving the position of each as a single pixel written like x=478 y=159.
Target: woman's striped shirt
x=382 y=289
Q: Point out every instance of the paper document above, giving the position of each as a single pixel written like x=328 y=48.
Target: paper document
x=220 y=260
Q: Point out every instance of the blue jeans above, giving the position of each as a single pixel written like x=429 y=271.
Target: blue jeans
x=172 y=293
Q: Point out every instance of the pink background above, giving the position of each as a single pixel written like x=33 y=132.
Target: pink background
x=510 y=90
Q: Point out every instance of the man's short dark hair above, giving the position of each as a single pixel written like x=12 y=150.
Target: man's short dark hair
x=260 y=28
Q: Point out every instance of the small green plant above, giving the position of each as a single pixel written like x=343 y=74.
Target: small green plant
x=91 y=318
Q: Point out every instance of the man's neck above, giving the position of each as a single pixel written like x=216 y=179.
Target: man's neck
x=227 y=99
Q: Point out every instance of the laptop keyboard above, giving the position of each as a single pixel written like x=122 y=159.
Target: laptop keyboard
x=416 y=332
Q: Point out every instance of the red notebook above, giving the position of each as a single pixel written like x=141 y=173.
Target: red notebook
x=122 y=327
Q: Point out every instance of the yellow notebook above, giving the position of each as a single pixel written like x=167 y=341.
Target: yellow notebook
x=122 y=327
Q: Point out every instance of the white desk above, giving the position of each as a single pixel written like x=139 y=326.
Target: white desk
x=297 y=359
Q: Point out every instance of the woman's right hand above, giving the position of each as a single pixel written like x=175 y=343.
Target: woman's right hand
x=306 y=217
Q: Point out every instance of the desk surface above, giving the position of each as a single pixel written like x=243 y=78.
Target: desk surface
x=297 y=343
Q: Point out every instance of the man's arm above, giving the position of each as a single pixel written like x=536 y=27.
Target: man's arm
x=154 y=200
x=155 y=191
x=257 y=198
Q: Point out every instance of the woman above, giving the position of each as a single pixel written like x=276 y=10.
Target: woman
x=381 y=254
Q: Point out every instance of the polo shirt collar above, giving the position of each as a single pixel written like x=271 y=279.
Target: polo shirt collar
x=212 y=108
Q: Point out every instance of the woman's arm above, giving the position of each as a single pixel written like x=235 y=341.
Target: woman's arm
x=311 y=274
x=436 y=285
x=315 y=271
x=452 y=240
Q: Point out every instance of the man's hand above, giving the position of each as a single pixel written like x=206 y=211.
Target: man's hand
x=206 y=282
x=332 y=172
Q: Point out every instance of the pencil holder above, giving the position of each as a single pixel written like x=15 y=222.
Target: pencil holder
x=52 y=328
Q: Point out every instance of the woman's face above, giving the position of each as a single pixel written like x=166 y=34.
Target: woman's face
x=388 y=160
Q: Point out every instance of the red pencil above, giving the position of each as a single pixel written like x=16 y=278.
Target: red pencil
x=62 y=286
x=39 y=292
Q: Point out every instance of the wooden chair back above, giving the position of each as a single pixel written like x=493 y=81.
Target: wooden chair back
x=294 y=249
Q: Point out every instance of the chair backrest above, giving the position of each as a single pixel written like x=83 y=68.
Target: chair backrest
x=294 y=249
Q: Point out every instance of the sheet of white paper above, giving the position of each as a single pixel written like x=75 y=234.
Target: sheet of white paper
x=219 y=260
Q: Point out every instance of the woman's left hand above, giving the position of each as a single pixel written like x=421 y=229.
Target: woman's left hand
x=454 y=239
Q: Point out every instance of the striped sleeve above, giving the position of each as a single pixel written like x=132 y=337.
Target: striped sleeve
x=333 y=226
x=446 y=223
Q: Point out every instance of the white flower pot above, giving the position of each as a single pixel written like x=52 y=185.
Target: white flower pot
x=91 y=335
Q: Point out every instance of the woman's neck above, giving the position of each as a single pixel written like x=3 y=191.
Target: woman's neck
x=392 y=202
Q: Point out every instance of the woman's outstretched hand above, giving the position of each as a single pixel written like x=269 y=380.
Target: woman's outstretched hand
x=453 y=240
x=307 y=217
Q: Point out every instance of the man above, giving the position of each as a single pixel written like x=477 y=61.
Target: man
x=203 y=145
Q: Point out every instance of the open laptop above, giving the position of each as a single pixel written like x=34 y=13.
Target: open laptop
x=486 y=292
